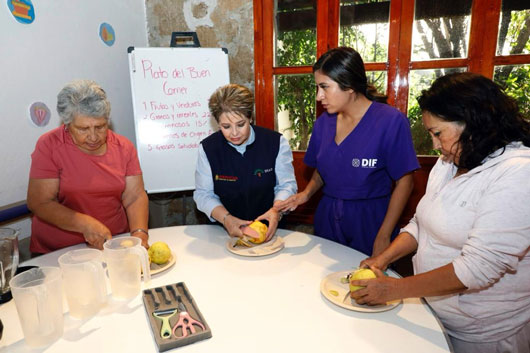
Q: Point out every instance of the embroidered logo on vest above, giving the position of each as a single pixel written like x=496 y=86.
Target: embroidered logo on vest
x=259 y=172
x=225 y=177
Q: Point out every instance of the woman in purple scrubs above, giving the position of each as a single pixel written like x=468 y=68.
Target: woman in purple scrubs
x=359 y=147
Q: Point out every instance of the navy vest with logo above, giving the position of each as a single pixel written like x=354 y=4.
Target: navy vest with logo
x=244 y=183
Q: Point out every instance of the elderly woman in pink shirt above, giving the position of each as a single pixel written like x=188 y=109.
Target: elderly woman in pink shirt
x=85 y=180
x=471 y=230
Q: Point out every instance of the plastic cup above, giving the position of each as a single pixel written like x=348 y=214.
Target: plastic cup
x=8 y=260
x=38 y=297
x=126 y=259
x=84 y=282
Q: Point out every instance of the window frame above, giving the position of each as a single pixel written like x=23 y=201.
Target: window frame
x=481 y=57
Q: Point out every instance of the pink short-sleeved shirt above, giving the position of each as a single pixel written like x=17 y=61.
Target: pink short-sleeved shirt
x=89 y=184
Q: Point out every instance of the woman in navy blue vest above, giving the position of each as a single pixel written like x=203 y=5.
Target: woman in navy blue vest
x=242 y=169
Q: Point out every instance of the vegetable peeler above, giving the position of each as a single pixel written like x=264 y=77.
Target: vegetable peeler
x=164 y=316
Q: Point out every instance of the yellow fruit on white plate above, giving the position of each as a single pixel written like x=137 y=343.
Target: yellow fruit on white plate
x=256 y=234
x=159 y=252
x=363 y=273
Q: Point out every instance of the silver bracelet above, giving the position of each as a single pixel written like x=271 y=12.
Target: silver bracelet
x=224 y=218
x=139 y=230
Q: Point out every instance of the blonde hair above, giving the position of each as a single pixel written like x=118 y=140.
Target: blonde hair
x=232 y=98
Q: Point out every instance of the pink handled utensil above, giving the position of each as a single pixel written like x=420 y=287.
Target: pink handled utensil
x=185 y=322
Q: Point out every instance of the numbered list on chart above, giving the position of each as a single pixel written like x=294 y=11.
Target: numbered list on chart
x=172 y=111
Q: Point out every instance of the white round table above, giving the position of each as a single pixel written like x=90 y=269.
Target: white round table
x=252 y=304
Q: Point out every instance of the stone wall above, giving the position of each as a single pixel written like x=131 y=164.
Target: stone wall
x=218 y=23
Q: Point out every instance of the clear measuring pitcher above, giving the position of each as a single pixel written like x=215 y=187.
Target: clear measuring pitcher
x=38 y=298
x=8 y=260
x=84 y=281
x=126 y=259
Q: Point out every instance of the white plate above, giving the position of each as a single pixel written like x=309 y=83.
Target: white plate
x=155 y=268
x=339 y=294
x=274 y=245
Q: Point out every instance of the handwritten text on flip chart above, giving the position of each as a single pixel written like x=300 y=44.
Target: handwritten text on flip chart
x=175 y=114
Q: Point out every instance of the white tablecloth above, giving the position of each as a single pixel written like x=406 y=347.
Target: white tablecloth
x=252 y=304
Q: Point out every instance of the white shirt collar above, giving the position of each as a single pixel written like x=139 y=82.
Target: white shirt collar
x=243 y=147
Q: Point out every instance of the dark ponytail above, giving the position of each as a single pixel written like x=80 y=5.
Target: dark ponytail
x=373 y=95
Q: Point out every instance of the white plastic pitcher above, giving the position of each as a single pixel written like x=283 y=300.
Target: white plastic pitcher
x=126 y=259
x=84 y=281
x=8 y=260
x=38 y=297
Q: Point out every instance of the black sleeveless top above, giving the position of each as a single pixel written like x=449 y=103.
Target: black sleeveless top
x=244 y=183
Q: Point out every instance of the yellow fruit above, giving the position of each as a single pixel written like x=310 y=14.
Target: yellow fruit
x=363 y=273
x=159 y=252
x=255 y=227
x=262 y=231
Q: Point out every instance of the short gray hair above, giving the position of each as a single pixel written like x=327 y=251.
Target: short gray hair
x=82 y=97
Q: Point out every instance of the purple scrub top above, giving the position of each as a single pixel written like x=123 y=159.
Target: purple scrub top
x=358 y=173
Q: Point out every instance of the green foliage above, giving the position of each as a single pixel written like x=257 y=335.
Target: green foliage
x=517 y=26
x=296 y=93
x=420 y=137
x=296 y=48
x=354 y=37
x=515 y=79
x=419 y=81
x=517 y=85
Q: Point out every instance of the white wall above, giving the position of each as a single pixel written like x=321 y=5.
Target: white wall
x=36 y=61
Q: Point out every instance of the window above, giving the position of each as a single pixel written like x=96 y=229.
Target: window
x=514 y=25
x=405 y=44
x=295 y=102
x=294 y=94
x=441 y=30
x=364 y=27
x=513 y=40
x=295 y=33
